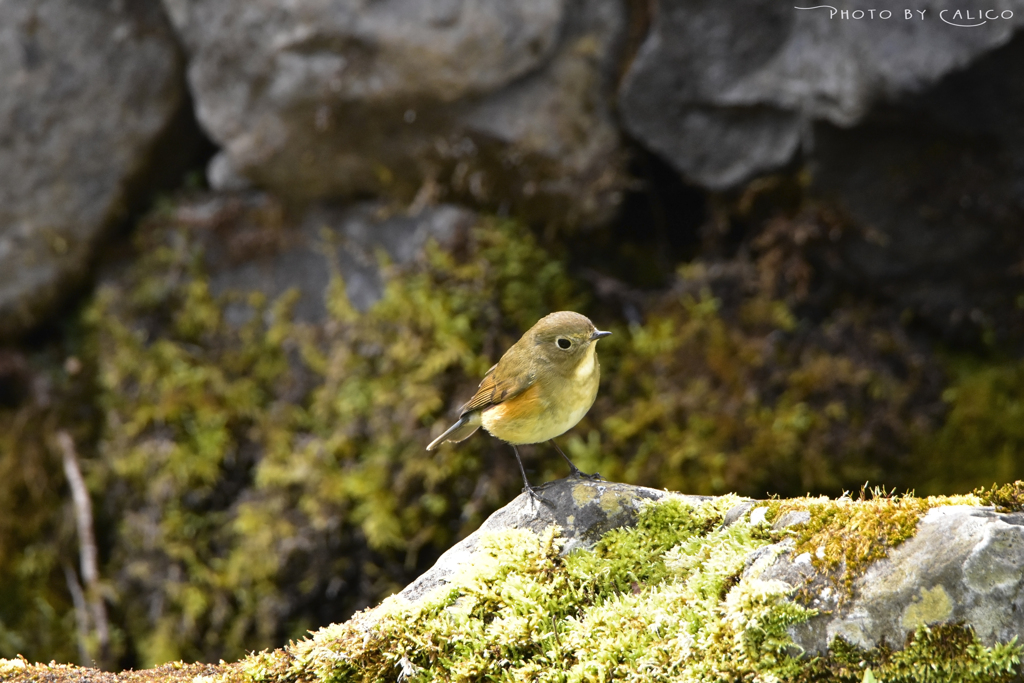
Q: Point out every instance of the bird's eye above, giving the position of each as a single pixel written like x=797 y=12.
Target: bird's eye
x=563 y=343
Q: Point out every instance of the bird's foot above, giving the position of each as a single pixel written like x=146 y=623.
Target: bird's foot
x=576 y=473
x=532 y=490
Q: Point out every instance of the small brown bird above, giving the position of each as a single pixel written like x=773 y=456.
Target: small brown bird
x=541 y=388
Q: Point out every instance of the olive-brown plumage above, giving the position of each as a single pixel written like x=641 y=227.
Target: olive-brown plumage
x=541 y=388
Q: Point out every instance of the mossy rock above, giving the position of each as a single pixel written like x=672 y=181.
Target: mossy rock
x=604 y=581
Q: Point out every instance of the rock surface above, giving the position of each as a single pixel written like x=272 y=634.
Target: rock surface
x=251 y=246
x=965 y=565
x=584 y=510
x=727 y=91
x=938 y=181
x=501 y=104
x=86 y=91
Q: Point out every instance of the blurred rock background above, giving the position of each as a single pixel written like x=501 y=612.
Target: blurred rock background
x=254 y=256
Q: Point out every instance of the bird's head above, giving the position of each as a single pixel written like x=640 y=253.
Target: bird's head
x=564 y=338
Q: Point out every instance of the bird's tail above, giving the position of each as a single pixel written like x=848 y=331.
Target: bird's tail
x=460 y=431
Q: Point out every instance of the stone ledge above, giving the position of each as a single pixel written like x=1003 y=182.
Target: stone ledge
x=630 y=583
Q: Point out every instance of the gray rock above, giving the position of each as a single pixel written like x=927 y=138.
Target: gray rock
x=725 y=91
x=792 y=518
x=222 y=176
x=87 y=89
x=584 y=510
x=502 y=104
x=737 y=512
x=964 y=565
x=250 y=246
x=939 y=181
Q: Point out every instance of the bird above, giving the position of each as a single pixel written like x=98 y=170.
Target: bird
x=540 y=388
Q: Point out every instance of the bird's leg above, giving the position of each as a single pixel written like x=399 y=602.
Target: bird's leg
x=526 y=483
x=575 y=470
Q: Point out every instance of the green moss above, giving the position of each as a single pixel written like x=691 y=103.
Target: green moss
x=1006 y=498
x=672 y=599
x=722 y=390
x=253 y=482
x=639 y=607
x=38 y=544
x=982 y=437
x=849 y=535
x=20 y=670
x=950 y=653
x=253 y=469
x=629 y=559
x=181 y=407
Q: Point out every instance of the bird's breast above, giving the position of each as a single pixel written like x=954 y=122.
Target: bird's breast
x=549 y=408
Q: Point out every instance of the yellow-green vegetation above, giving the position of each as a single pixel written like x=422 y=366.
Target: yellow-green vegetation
x=19 y=669
x=1005 y=498
x=260 y=468
x=255 y=469
x=675 y=598
x=982 y=437
x=668 y=600
x=942 y=654
x=708 y=397
x=37 y=533
x=657 y=602
x=27 y=560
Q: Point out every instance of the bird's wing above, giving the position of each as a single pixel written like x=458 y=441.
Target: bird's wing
x=499 y=385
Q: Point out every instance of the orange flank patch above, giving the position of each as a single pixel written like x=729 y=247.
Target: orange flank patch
x=520 y=419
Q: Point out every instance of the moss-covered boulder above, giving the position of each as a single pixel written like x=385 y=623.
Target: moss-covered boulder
x=690 y=588
x=600 y=581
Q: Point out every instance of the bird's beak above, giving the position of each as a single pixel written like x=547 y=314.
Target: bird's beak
x=598 y=334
